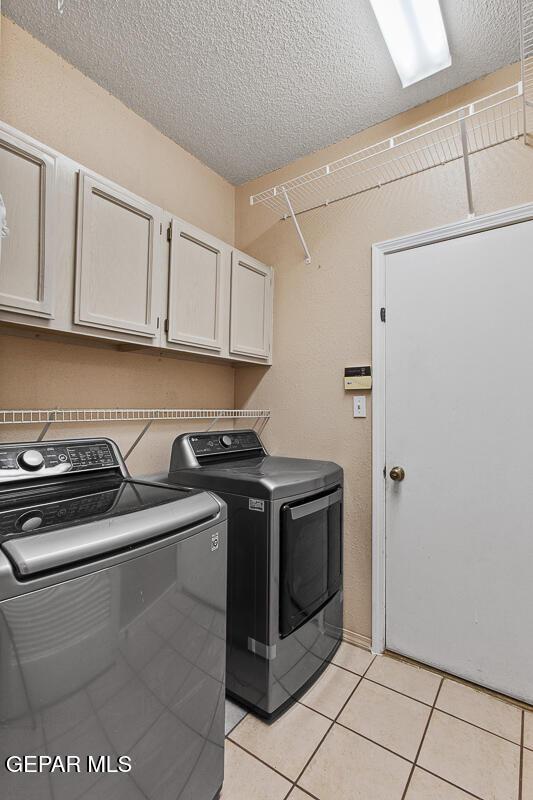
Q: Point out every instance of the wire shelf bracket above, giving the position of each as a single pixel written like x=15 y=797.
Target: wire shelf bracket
x=296 y=224
x=456 y=135
x=48 y=417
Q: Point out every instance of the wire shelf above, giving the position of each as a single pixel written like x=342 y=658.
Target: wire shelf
x=48 y=416
x=489 y=121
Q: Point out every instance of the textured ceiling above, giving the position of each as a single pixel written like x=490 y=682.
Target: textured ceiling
x=249 y=86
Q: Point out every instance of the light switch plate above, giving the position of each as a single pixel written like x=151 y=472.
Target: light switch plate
x=359 y=406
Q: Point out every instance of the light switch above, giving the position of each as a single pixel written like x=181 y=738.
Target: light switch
x=359 y=406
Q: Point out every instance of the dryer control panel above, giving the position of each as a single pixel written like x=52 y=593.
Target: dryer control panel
x=194 y=449
x=207 y=444
x=40 y=460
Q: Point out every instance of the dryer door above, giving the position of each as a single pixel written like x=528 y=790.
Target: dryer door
x=310 y=556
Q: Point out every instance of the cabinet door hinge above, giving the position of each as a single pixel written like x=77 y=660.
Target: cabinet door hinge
x=382 y=314
x=169 y=233
x=166 y=325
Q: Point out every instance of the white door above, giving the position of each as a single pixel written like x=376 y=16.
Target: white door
x=117 y=259
x=197 y=263
x=27 y=186
x=251 y=307
x=459 y=421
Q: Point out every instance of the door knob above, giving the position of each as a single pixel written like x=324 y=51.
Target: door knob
x=397 y=473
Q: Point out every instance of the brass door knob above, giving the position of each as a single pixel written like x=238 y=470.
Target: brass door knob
x=397 y=473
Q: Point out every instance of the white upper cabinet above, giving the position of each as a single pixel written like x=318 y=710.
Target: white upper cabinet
x=199 y=264
x=118 y=255
x=84 y=255
x=251 y=307
x=27 y=186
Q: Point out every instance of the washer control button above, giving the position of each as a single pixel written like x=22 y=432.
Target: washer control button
x=30 y=521
x=31 y=460
x=225 y=440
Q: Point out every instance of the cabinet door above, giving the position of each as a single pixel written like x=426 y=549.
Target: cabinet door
x=195 y=295
x=251 y=307
x=27 y=186
x=117 y=259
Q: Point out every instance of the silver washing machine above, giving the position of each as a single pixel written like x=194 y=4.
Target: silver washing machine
x=112 y=629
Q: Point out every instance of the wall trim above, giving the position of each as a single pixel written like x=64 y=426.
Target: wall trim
x=357 y=639
x=380 y=251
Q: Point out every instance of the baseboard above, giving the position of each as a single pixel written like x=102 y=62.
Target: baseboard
x=357 y=639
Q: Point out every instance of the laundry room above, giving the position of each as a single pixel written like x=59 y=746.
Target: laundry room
x=264 y=505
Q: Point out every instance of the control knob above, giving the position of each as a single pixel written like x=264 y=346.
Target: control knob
x=31 y=460
x=225 y=440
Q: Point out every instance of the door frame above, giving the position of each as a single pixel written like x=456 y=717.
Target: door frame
x=380 y=251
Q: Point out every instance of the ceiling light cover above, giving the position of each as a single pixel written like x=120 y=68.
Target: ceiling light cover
x=415 y=35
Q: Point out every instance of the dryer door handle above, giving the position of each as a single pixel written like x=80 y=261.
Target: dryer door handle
x=320 y=504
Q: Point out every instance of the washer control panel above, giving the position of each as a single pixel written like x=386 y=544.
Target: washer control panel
x=24 y=461
x=209 y=444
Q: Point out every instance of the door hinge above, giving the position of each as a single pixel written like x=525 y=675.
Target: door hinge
x=166 y=325
x=169 y=233
x=385 y=471
x=382 y=314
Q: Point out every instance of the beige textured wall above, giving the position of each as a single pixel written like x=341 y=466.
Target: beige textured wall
x=43 y=96
x=323 y=311
x=38 y=373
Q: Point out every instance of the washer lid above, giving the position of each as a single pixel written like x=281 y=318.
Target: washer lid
x=66 y=504
x=62 y=530
x=266 y=477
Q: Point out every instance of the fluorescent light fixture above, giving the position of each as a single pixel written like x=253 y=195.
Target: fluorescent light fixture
x=416 y=37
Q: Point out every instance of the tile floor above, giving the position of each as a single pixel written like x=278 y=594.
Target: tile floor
x=382 y=729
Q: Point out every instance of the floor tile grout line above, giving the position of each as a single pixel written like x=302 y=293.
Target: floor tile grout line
x=403 y=694
x=332 y=719
x=450 y=783
x=261 y=761
x=306 y=791
x=384 y=685
x=228 y=734
x=373 y=741
x=478 y=727
x=346 y=669
x=332 y=723
x=313 y=754
x=406 y=789
x=521 y=768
